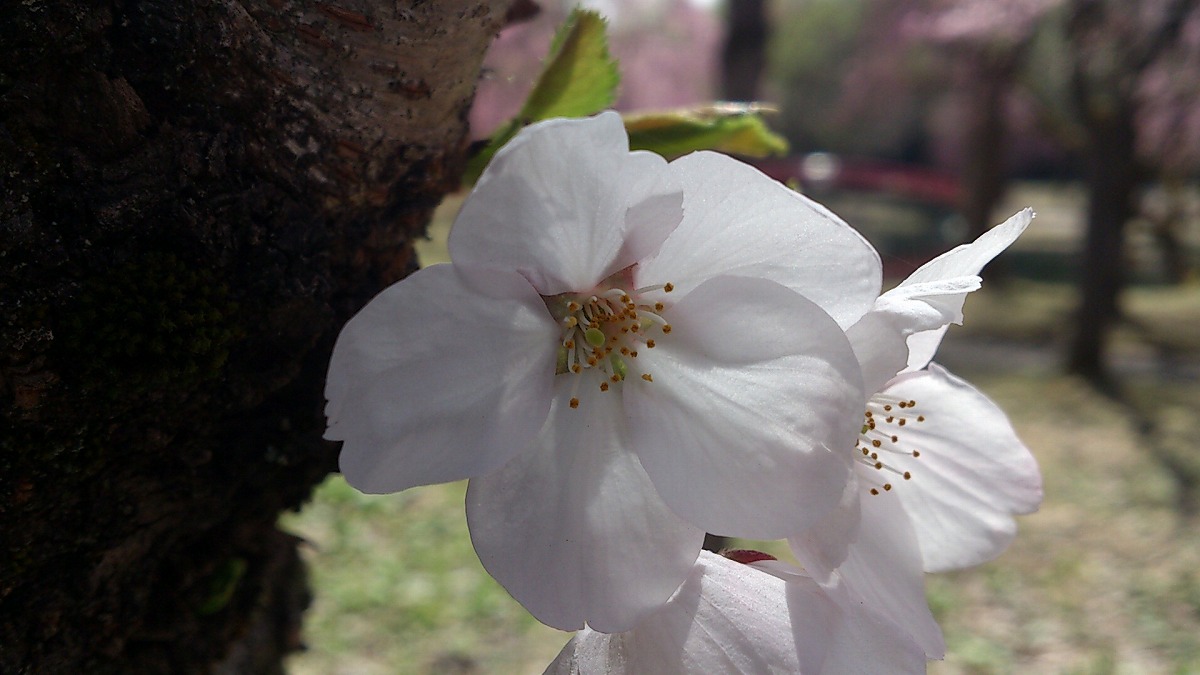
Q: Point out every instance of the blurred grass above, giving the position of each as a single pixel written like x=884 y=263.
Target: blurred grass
x=1105 y=578
x=399 y=590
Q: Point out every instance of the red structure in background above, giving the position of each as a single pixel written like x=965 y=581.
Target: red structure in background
x=927 y=200
x=818 y=172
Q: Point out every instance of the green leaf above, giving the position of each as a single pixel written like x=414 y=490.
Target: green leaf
x=735 y=128
x=579 y=79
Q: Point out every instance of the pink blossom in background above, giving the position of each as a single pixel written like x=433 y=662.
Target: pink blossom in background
x=667 y=51
x=1169 y=113
x=976 y=22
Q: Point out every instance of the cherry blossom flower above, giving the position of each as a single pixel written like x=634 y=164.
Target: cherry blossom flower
x=940 y=472
x=622 y=355
x=763 y=616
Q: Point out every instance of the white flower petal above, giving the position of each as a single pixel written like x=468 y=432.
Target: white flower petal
x=922 y=346
x=880 y=348
x=754 y=401
x=928 y=304
x=648 y=223
x=758 y=618
x=566 y=204
x=944 y=282
x=738 y=221
x=968 y=259
x=972 y=476
x=726 y=618
x=883 y=570
x=439 y=378
x=822 y=547
x=573 y=529
x=864 y=642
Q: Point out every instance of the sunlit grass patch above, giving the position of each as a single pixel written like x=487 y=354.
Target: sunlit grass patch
x=1099 y=579
x=399 y=590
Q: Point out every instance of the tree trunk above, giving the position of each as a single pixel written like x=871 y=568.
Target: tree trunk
x=744 y=56
x=194 y=197
x=983 y=171
x=1112 y=182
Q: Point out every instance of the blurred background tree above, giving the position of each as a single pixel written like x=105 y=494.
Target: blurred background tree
x=992 y=90
x=1114 y=47
x=744 y=54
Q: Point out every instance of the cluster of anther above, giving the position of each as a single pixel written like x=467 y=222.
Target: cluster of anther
x=883 y=425
x=603 y=330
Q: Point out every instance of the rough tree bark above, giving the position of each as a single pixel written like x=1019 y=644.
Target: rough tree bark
x=194 y=196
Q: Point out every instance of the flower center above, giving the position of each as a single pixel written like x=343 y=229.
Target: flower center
x=603 y=331
x=880 y=441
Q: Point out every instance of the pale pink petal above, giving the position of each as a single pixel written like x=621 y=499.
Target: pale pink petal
x=969 y=259
x=880 y=347
x=439 y=379
x=972 y=476
x=738 y=221
x=822 y=547
x=929 y=304
x=734 y=618
x=566 y=204
x=648 y=223
x=753 y=405
x=726 y=618
x=922 y=346
x=935 y=282
x=865 y=642
x=573 y=529
x=883 y=570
